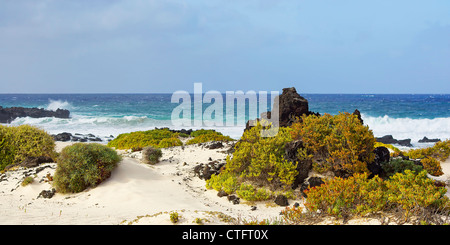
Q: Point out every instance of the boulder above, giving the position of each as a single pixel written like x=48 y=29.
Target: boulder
x=62 y=137
x=7 y=115
x=358 y=114
x=309 y=183
x=388 y=139
x=281 y=200
x=290 y=105
x=382 y=155
x=47 y=193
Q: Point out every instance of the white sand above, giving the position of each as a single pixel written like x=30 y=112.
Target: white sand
x=135 y=193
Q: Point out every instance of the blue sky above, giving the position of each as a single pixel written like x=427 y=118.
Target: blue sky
x=317 y=46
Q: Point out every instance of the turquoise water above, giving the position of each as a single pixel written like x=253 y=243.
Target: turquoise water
x=403 y=116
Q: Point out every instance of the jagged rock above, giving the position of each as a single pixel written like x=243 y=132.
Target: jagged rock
x=281 y=200
x=426 y=140
x=47 y=194
x=290 y=105
x=309 y=183
x=7 y=115
x=358 y=114
x=31 y=162
x=222 y=193
x=303 y=166
x=214 y=145
x=62 y=137
x=388 y=139
x=382 y=154
x=204 y=171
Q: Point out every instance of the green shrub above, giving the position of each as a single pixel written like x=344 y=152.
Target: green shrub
x=151 y=155
x=261 y=159
x=169 y=142
x=19 y=143
x=156 y=137
x=84 y=165
x=358 y=195
x=203 y=135
x=223 y=181
x=250 y=193
x=399 y=166
x=339 y=143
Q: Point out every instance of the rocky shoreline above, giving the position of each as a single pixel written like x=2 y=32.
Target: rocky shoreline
x=7 y=115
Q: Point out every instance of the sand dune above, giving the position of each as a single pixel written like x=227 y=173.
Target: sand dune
x=135 y=193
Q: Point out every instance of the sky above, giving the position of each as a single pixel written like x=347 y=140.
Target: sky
x=152 y=46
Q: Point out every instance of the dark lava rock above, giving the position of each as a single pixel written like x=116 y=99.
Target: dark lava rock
x=47 y=194
x=426 y=140
x=7 y=115
x=281 y=200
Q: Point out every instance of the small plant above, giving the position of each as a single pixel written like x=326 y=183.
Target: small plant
x=174 y=217
x=27 y=180
x=84 y=165
x=151 y=155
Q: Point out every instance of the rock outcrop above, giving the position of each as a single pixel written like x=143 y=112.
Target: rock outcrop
x=7 y=115
x=388 y=139
x=289 y=106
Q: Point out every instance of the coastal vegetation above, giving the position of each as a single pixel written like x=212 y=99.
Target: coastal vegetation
x=164 y=138
x=151 y=155
x=22 y=142
x=340 y=147
x=84 y=165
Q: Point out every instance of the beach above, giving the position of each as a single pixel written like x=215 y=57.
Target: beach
x=136 y=193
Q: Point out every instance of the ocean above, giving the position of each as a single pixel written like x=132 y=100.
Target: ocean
x=403 y=116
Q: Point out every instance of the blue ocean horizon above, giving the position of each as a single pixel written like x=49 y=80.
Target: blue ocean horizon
x=401 y=115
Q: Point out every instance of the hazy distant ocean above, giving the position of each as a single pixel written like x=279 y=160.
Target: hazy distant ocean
x=403 y=116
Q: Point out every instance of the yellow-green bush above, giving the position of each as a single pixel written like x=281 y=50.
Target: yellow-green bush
x=160 y=138
x=202 y=135
x=432 y=166
x=351 y=196
x=223 y=181
x=339 y=143
x=440 y=151
x=358 y=195
x=251 y=193
x=19 y=143
x=411 y=191
x=261 y=159
x=84 y=165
